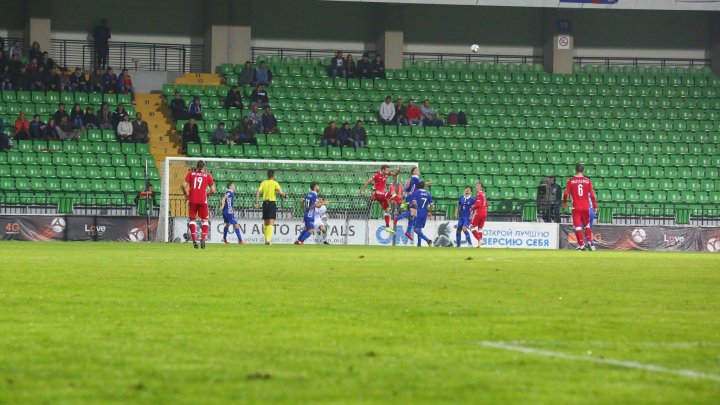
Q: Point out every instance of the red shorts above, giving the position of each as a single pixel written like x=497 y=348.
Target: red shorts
x=581 y=219
x=382 y=198
x=478 y=220
x=198 y=210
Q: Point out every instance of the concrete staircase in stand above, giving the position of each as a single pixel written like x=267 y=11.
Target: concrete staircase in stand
x=163 y=142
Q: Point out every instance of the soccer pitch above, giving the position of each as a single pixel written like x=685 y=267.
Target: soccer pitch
x=164 y=323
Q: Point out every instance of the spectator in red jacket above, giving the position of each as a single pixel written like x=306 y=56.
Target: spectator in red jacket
x=22 y=128
x=412 y=112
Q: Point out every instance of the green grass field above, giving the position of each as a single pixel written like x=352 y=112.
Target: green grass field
x=159 y=323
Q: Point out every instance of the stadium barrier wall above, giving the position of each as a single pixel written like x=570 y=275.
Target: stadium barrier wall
x=75 y=228
x=656 y=238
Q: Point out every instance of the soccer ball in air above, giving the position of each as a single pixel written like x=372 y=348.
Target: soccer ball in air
x=475 y=48
x=638 y=235
x=713 y=245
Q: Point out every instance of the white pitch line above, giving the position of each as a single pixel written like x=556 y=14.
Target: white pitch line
x=619 y=363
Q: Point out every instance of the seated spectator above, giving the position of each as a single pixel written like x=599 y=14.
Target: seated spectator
x=247 y=75
x=195 y=109
x=51 y=131
x=429 y=115
x=109 y=81
x=120 y=111
x=21 y=80
x=6 y=79
x=38 y=81
x=177 y=108
x=364 y=69
x=53 y=80
x=337 y=66
x=350 y=68
x=255 y=119
x=412 y=113
x=377 y=69
x=22 y=128
x=263 y=75
x=331 y=135
x=34 y=52
x=104 y=117
x=359 y=134
x=234 y=99
x=15 y=50
x=95 y=84
x=125 y=129
x=5 y=142
x=189 y=134
x=125 y=85
x=60 y=113
x=387 y=111
x=220 y=135
x=64 y=83
x=38 y=129
x=65 y=130
x=269 y=122
x=346 y=138
x=4 y=58
x=140 y=131
x=259 y=97
x=145 y=195
x=78 y=80
x=32 y=66
x=76 y=116
x=399 y=118
x=46 y=62
x=89 y=118
x=16 y=64
x=246 y=133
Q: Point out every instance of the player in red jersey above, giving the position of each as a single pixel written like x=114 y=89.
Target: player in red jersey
x=379 y=193
x=195 y=189
x=580 y=188
x=480 y=214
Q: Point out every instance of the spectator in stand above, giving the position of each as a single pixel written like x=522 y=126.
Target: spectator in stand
x=177 y=108
x=140 y=131
x=16 y=64
x=52 y=129
x=220 y=135
x=337 y=65
x=60 y=113
x=195 y=109
x=255 y=119
x=65 y=130
x=246 y=133
x=234 y=99
x=37 y=81
x=269 y=122
x=109 y=81
x=263 y=75
x=118 y=114
x=21 y=80
x=6 y=79
x=387 y=111
x=76 y=116
x=399 y=118
x=101 y=36
x=331 y=135
x=346 y=138
x=5 y=142
x=259 y=97
x=350 y=68
x=189 y=134
x=4 y=58
x=16 y=49
x=34 y=52
x=359 y=134
x=364 y=69
x=89 y=118
x=430 y=116
x=105 y=117
x=38 y=128
x=247 y=75
x=125 y=129
x=22 y=128
x=95 y=84
x=64 y=81
x=32 y=66
x=78 y=80
x=125 y=85
x=377 y=69
x=53 y=80
x=47 y=62
x=412 y=113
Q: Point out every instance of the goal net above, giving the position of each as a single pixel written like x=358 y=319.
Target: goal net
x=340 y=183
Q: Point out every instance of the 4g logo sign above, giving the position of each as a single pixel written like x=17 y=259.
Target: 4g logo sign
x=12 y=228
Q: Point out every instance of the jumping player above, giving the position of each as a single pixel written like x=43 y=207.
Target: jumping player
x=462 y=213
x=226 y=205
x=422 y=201
x=379 y=193
x=581 y=191
x=479 y=210
x=195 y=189
x=310 y=202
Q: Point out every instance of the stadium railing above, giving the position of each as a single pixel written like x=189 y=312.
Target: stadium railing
x=660 y=62
x=81 y=203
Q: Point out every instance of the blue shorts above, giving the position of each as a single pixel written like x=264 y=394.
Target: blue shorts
x=592 y=217
x=420 y=222
x=230 y=219
x=309 y=222
x=463 y=222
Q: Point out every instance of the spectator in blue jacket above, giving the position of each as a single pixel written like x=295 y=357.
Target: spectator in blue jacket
x=263 y=75
x=109 y=81
x=269 y=122
x=195 y=109
x=364 y=67
x=378 y=68
x=346 y=135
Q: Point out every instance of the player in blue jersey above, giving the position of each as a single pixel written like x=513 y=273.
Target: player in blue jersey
x=310 y=202
x=592 y=218
x=410 y=188
x=226 y=205
x=421 y=201
x=462 y=213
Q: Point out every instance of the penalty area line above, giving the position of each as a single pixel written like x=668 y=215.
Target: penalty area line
x=618 y=363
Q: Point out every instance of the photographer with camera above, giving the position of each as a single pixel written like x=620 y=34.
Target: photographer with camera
x=549 y=196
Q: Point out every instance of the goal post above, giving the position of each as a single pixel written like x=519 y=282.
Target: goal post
x=340 y=183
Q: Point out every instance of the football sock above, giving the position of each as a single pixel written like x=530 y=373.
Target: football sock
x=203 y=232
x=411 y=224
x=467 y=236
x=395 y=221
x=387 y=220
x=458 y=237
x=225 y=231
x=422 y=236
x=193 y=231
x=477 y=235
x=324 y=237
x=304 y=235
x=588 y=235
x=237 y=232
x=579 y=236
x=268 y=231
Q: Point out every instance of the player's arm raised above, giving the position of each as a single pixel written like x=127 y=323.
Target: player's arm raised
x=367 y=183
